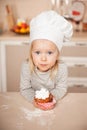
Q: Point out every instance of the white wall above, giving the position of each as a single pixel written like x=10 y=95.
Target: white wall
x=23 y=8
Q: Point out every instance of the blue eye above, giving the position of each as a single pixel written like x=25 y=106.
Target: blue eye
x=50 y=52
x=37 y=52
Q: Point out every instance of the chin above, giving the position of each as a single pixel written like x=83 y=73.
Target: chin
x=43 y=69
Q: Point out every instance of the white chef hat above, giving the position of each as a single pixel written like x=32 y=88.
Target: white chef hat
x=51 y=26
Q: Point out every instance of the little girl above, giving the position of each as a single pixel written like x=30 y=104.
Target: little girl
x=48 y=32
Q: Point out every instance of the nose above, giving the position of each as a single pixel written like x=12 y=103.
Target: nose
x=43 y=57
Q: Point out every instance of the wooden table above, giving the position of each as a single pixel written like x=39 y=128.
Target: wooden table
x=16 y=113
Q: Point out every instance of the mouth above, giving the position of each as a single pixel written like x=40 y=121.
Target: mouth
x=43 y=64
x=43 y=67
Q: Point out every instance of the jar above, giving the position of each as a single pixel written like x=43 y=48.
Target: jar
x=84 y=25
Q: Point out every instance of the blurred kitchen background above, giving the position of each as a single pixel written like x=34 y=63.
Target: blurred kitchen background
x=14 y=44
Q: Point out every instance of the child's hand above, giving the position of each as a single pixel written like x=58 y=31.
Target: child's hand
x=45 y=106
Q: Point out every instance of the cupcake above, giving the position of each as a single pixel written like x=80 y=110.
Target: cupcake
x=43 y=96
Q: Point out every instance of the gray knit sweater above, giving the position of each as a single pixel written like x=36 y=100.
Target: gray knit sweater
x=29 y=83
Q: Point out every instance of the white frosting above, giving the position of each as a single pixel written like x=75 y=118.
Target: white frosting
x=42 y=94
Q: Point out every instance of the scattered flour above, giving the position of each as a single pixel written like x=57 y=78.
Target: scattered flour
x=4 y=107
x=42 y=117
x=19 y=125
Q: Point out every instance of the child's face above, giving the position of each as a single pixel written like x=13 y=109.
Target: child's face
x=44 y=54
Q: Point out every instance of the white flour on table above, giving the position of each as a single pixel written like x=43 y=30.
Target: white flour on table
x=42 y=117
x=4 y=107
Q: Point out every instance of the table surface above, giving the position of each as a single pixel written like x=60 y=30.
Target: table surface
x=16 y=113
x=8 y=35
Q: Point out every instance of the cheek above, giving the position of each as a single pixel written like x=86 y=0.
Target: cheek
x=35 y=60
x=53 y=62
x=53 y=58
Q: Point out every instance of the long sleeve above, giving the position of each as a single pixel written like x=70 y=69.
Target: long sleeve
x=61 y=82
x=25 y=86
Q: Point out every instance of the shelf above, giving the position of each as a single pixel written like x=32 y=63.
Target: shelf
x=75 y=81
x=75 y=61
x=73 y=43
